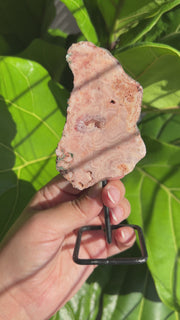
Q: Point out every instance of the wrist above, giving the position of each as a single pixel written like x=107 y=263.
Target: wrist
x=10 y=309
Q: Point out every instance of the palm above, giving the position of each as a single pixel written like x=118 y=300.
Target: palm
x=57 y=275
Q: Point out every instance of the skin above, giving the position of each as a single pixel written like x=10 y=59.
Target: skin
x=38 y=275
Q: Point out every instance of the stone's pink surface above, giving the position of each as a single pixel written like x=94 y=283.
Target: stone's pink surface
x=100 y=138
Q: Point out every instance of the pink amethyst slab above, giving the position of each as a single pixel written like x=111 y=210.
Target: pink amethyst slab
x=100 y=138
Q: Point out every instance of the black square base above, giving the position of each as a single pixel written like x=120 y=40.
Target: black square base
x=111 y=260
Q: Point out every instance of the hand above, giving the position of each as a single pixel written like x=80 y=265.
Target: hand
x=38 y=275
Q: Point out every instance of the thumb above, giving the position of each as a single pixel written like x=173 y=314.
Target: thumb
x=71 y=215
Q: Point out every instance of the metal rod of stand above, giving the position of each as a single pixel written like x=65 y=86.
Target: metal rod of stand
x=108 y=230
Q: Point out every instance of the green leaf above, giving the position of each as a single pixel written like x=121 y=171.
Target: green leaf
x=136 y=34
x=162 y=126
x=50 y=56
x=154 y=193
x=150 y=29
x=56 y=36
x=83 y=20
x=117 y=293
x=109 y=11
x=167 y=30
x=122 y=16
x=22 y=21
x=156 y=67
x=97 y=21
x=32 y=116
x=84 y=305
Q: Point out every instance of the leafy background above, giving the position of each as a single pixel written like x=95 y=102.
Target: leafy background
x=34 y=87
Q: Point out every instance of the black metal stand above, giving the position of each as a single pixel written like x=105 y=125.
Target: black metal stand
x=108 y=232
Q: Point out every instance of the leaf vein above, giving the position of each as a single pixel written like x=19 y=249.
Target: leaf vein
x=12 y=151
x=33 y=115
x=172 y=224
x=34 y=161
x=160 y=184
x=26 y=79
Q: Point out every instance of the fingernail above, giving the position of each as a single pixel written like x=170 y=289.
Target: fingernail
x=117 y=213
x=95 y=191
x=127 y=234
x=113 y=194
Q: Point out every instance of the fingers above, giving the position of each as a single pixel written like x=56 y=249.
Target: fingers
x=112 y=193
x=65 y=217
x=60 y=190
x=68 y=216
x=120 y=212
x=113 y=197
x=123 y=239
x=66 y=212
x=56 y=191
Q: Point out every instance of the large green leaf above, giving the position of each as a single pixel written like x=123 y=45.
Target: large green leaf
x=83 y=20
x=156 y=67
x=22 y=21
x=121 y=16
x=162 y=126
x=154 y=193
x=49 y=55
x=32 y=115
x=117 y=293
